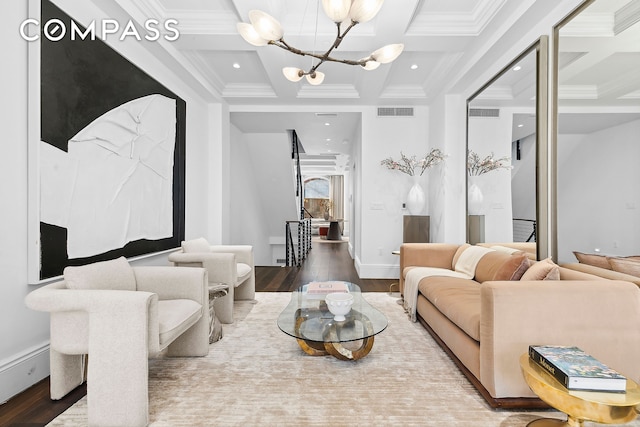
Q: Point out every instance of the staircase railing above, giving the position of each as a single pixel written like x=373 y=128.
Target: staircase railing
x=295 y=156
x=524 y=230
x=297 y=249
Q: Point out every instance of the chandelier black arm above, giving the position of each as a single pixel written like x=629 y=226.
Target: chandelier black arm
x=325 y=56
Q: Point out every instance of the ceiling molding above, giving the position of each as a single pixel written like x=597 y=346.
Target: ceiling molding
x=403 y=92
x=590 y=25
x=456 y=24
x=328 y=91
x=496 y=93
x=147 y=8
x=631 y=95
x=626 y=16
x=443 y=68
x=621 y=85
x=205 y=71
x=237 y=90
x=577 y=92
x=205 y=22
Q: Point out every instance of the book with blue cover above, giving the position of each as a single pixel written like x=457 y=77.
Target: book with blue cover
x=577 y=370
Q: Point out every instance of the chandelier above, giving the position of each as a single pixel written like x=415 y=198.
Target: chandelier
x=266 y=30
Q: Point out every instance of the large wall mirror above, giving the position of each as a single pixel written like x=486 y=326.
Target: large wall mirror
x=597 y=131
x=507 y=129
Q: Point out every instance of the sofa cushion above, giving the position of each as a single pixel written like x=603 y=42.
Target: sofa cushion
x=458 y=299
x=198 y=245
x=542 y=270
x=176 y=316
x=244 y=271
x=115 y=274
x=592 y=259
x=628 y=265
x=498 y=265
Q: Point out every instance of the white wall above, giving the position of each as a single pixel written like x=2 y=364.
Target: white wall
x=598 y=192
x=25 y=333
x=447 y=189
x=493 y=135
x=382 y=191
x=262 y=193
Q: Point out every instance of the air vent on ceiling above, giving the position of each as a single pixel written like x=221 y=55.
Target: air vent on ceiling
x=326 y=114
x=395 y=111
x=484 y=112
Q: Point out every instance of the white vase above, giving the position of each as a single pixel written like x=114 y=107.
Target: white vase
x=475 y=197
x=416 y=199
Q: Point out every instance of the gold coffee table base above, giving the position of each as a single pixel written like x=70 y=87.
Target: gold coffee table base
x=580 y=406
x=549 y=422
x=333 y=346
x=336 y=349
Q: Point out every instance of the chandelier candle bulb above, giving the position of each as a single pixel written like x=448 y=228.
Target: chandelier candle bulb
x=250 y=35
x=336 y=10
x=346 y=14
x=364 y=10
x=388 y=53
x=315 y=78
x=266 y=25
x=293 y=74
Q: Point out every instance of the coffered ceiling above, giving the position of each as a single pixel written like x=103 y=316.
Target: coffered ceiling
x=435 y=34
x=444 y=40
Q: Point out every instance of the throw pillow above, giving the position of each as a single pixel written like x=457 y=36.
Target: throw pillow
x=457 y=255
x=498 y=265
x=196 y=245
x=542 y=270
x=625 y=265
x=469 y=260
x=115 y=274
x=593 y=259
x=505 y=249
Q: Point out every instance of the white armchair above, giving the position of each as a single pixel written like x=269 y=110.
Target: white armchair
x=120 y=316
x=229 y=264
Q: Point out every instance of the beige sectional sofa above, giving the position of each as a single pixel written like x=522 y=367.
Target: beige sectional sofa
x=608 y=267
x=485 y=324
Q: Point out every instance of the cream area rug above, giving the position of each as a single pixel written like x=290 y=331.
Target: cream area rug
x=257 y=375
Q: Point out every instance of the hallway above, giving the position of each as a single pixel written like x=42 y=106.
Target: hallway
x=326 y=261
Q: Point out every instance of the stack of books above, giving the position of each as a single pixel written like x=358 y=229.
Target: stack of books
x=319 y=290
x=577 y=370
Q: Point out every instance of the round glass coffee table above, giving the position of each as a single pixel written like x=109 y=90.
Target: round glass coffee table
x=308 y=319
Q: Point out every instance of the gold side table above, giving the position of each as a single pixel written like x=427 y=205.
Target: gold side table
x=580 y=406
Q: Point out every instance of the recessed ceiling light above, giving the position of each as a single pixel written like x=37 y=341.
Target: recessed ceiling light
x=236 y=65
x=414 y=67
x=517 y=68
x=520 y=125
x=327 y=124
x=328 y=139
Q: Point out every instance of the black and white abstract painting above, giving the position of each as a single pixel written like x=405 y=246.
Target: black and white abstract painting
x=111 y=156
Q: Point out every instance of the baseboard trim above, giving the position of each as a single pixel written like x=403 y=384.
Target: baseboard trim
x=377 y=271
x=23 y=371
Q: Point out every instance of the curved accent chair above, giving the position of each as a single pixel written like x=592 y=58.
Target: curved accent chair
x=120 y=316
x=229 y=264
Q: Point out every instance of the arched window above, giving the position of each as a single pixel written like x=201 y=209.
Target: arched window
x=316 y=196
x=316 y=188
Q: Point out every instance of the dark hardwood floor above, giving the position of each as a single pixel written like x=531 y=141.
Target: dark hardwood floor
x=326 y=261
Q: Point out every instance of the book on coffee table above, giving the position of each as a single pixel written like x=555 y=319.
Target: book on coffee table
x=577 y=370
x=319 y=290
